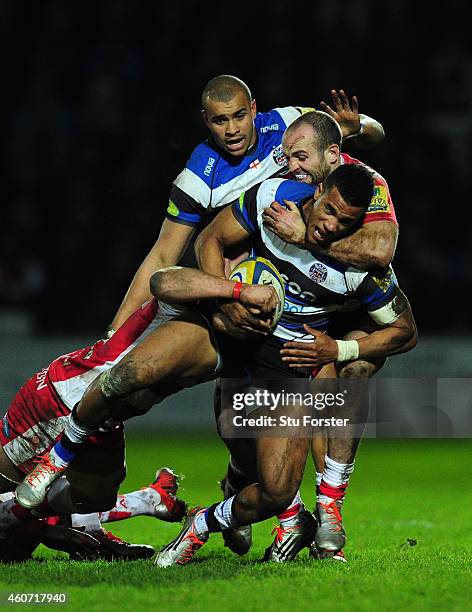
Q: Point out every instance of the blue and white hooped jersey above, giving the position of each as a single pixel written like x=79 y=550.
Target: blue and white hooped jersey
x=211 y=180
x=315 y=286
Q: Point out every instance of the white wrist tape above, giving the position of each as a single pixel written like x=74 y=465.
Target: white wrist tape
x=348 y=350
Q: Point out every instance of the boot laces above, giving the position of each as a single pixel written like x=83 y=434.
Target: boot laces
x=44 y=468
x=194 y=543
x=335 y=518
x=280 y=532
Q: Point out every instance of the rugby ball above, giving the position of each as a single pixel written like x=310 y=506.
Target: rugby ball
x=260 y=271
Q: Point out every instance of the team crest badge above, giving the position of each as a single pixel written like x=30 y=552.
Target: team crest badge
x=279 y=156
x=318 y=272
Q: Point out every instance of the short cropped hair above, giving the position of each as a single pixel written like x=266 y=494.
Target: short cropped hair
x=223 y=88
x=355 y=183
x=326 y=130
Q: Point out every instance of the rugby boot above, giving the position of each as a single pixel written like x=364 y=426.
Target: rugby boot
x=289 y=541
x=182 y=549
x=318 y=555
x=330 y=536
x=31 y=491
x=113 y=548
x=237 y=539
x=169 y=508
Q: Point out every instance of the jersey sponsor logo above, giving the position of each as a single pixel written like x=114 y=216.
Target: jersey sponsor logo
x=279 y=156
x=295 y=289
x=172 y=209
x=379 y=202
x=318 y=272
x=209 y=166
x=384 y=282
x=269 y=128
x=297 y=308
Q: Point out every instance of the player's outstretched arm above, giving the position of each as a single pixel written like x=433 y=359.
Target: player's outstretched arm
x=182 y=285
x=359 y=131
x=167 y=250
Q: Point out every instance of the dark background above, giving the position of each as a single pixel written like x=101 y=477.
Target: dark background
x=100 y=111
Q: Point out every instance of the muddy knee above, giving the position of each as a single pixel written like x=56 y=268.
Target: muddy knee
x=120 y=381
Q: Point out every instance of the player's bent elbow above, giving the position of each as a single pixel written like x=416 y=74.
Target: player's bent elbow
x=380 y=258
x=200 y=242
x=409 y=339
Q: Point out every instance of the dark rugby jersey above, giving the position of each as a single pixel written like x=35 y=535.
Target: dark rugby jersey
x=315 y=286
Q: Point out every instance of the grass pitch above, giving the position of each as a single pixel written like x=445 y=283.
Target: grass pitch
x=407 y=515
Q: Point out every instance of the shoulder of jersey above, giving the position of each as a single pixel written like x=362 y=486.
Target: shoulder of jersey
x=286 y=189
x=202 y=160
x=276 y=120
x=347 y=159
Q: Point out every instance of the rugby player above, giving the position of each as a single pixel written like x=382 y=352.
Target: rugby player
x=244 y=147
x=36 y=417
x=280 y=462
x=312 y=146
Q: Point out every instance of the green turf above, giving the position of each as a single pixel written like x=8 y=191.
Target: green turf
x=401 y=490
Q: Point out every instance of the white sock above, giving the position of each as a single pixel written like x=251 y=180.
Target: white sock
x=224 y=515
x=201 y=527
x=289 y=517
x=335 y=475
x=57 y=460
x=90 y=522
x=136 y=503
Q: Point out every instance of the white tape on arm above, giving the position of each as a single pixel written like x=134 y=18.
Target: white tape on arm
x=387 y=314
x=348 y=350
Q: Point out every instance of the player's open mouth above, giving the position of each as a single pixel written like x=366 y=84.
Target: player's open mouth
x=302 y=177
x=235 y=144
x=318 y=236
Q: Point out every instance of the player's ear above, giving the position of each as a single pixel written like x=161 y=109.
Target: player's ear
x=332 y=154
x=253 y=109
x=205 y=117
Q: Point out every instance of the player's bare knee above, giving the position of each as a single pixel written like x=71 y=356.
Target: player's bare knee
x=120 y=381
x=277 y=498
x=357 y=369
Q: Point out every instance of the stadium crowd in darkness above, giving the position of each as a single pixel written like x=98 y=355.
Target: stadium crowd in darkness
x=100 y=110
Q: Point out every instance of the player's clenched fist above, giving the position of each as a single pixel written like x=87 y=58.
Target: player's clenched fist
x=259 y=299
